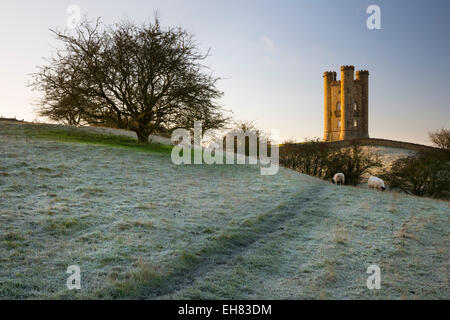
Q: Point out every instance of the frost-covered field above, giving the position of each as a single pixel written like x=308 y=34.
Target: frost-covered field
x=140 y=227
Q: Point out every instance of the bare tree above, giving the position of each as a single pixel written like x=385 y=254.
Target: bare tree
x=441 y=138
x=143 y=78
x=249 y=128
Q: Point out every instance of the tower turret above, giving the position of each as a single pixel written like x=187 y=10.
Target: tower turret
x=363 y=77
x=328 y=77
x=347 y=79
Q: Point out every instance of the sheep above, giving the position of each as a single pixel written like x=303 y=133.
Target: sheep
x=338 y=178
x=376 y=183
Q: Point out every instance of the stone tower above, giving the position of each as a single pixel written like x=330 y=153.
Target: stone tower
x=346 y=105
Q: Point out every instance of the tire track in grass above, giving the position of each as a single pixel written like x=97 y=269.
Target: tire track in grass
x=147 y=282
x=267 y=259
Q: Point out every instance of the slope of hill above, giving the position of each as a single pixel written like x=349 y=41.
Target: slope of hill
x=140 y=227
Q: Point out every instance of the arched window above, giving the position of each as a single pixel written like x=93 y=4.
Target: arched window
x=339 y=123
x=338 y=106
x=355 y=123
x=355 y=106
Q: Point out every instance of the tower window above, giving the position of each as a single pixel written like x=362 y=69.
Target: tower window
x=355 y=106
x=338 y=106
x=348 y=90
x=339 y=123
x=355 y=123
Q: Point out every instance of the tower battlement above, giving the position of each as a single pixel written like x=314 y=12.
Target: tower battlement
x=331 y=75
x=346 y=104
x=343 y=68
x=361 y=74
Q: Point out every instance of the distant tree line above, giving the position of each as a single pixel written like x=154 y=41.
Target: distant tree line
x=143 y=78
x=422 y=174
x=320 y=159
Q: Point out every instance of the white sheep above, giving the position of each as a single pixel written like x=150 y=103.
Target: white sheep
x=376 y=183
x=338 y=178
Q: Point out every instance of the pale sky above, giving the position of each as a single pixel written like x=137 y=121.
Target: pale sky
x=272 y=55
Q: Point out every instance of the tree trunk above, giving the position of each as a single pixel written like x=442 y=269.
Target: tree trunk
x=142 y=133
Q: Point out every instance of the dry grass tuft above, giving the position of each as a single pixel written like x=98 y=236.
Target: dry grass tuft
x=330 y=276
x=341 y=235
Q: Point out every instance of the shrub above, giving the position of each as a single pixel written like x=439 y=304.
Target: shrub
x=353 y=162
x=309 y=157
x=423 y=174
x=319 y=159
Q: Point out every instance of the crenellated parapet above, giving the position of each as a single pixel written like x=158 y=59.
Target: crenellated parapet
x=362 y=74
x=330 y=75
x=349 y=67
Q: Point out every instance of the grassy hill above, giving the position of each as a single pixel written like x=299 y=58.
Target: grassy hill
x=141 y=227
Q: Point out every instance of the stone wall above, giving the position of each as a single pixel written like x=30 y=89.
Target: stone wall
x=380 y=142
